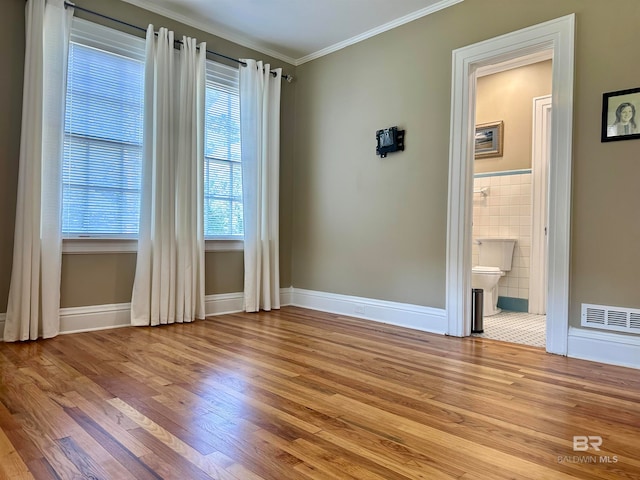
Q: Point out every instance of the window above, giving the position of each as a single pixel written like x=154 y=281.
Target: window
x=103 y=144
x=103 y=133
x=222 y=168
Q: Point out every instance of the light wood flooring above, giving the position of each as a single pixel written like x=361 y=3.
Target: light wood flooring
x=298 y=394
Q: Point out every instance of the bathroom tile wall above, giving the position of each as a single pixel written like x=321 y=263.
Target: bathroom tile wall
x=505 y=212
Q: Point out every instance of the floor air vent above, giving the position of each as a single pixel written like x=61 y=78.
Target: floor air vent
x=611 y=318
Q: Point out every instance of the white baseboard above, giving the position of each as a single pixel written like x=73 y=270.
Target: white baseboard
x=101 y=317
x=604 y=347
x=222 y=303
x=417 y=317
x=286 y=296
x=94 y=317
x=593 y=345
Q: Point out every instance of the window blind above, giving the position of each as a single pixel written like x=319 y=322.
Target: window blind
x=103 y=133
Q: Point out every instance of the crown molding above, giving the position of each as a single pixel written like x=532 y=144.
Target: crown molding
x=150 y=6
x=205 y=27
x=436 y=7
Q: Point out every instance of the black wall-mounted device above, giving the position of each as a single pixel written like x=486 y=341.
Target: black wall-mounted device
x=389 y=140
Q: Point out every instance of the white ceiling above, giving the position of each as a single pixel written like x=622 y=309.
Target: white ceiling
x=294 y=31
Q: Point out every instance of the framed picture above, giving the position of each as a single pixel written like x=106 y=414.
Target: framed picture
x=619 y=119
x=489 y=140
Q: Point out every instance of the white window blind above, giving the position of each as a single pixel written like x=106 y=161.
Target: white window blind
x=103 y=133
x=222 y=167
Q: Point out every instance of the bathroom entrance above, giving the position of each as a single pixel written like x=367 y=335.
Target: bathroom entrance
x=508 y=254
x=557 y=35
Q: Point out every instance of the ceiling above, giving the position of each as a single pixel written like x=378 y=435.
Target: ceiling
x=294 y=31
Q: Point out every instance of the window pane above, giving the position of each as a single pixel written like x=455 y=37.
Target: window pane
x=223 y=171
x=103 y=143
x=101 y=187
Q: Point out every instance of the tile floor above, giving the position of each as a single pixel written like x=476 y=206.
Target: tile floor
x=515 y=327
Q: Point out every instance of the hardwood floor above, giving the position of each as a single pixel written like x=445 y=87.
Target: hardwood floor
x=298 y=394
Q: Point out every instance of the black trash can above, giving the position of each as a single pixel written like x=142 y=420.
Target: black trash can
x=477 y=312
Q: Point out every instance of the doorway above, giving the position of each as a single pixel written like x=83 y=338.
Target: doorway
x=509 y=192
x=557 y=36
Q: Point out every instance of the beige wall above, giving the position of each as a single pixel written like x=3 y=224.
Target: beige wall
x=508 y=96
x=365 y=225
x=377 y=227
x=224 y=274
x=105 y=279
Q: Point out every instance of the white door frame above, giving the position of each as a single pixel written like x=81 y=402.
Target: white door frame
x=557 y=35
x=540 y=180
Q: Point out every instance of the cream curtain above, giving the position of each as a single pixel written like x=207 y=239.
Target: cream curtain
x=33 y=308
x=260 y=137
x=169 y=280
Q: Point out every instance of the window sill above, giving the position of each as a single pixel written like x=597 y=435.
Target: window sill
x=74 y=246
x=99 y=245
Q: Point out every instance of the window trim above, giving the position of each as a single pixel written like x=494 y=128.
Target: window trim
x=224 y=78
x=98 y=246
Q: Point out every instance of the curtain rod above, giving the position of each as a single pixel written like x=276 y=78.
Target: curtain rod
x=288 y=78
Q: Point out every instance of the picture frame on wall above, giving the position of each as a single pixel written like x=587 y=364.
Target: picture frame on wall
x=619 y=115
x=489 y=139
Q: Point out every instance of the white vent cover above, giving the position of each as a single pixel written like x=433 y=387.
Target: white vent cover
x=611 y=318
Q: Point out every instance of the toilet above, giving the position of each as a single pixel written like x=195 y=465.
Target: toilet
x=494 y=260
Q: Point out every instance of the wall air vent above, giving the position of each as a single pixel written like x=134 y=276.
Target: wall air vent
x=611 y=318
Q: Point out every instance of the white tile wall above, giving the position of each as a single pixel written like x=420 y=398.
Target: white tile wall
x=506 y=212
